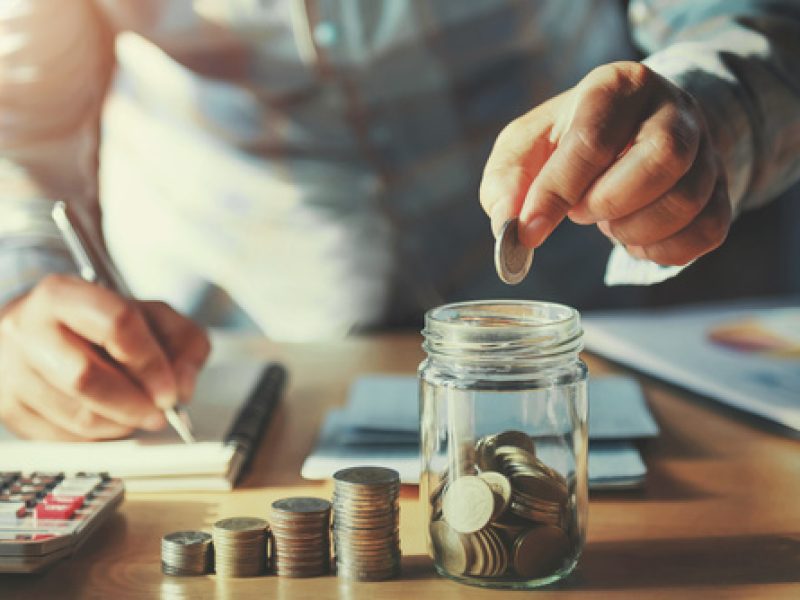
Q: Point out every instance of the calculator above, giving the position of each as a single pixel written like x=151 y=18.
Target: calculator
x=44 y=517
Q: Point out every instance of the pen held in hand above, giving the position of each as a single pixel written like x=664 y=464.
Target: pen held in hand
x=95 y=267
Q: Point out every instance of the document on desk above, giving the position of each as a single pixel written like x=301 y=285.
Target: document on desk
x=746 y=355
x=380 y=425
x=156 y=461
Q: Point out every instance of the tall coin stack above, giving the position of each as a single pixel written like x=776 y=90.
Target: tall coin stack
x=301 y=537
x=365 y=523
x=186 y=553
x=240 y=547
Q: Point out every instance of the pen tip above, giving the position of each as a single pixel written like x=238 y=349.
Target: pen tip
x=180 y=423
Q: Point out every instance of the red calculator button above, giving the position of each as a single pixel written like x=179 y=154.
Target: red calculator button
x=74 y=501
x=54 y=511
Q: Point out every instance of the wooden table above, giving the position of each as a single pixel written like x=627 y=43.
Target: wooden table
x=720 y=515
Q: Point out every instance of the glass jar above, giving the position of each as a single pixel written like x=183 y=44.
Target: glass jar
x=503 y=429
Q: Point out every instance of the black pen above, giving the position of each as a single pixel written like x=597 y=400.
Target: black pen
x=248 y=427
x=95 y=267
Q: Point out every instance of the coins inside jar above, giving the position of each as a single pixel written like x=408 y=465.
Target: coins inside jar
x=512 y=519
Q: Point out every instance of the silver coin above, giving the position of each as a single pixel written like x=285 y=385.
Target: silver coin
x=512 y=258
x=301 y=505
x=235 y=525
x=370 y=476
x=187 y=538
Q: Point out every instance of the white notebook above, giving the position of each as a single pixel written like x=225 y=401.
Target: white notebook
x=156 y=461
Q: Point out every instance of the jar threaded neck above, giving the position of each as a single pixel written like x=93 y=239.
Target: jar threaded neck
x=502 y=330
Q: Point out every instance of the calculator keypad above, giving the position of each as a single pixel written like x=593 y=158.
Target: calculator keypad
x=42 y=515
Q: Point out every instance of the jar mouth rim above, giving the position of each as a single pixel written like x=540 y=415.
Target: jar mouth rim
x=530 y=314
x=492 y=327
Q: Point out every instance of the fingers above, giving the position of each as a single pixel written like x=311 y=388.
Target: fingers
x=186 y=343
x=671 y=212
x=26 y=423
x=702 y=235
x=662 y=152
x=519 y=153
x=104 y=318
x=74 y=368
x=66 y=412
x=610 y=104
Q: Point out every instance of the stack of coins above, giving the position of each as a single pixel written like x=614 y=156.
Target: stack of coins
x=511 y=518
x=240 y=547
x=365 y=523
x=301 y=536
x=186 y=553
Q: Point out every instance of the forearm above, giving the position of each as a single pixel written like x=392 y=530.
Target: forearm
x=739 y=61
x=53 y=70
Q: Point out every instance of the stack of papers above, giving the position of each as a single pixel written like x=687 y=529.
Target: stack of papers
x=380 y=426
x=746 y=355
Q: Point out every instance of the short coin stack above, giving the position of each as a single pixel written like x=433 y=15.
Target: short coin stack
x=301 y=537
x=186 y=553
x=240 y=546
x=511 y=518
x=365 y=523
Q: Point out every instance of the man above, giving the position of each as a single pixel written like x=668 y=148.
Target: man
x=313 y=164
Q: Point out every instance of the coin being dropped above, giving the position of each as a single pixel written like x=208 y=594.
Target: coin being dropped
x=512 y=258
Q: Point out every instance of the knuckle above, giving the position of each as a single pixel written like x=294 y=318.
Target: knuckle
x=160 y=306
x=677 y=256
x=621 y=234
x=713 y=230
x=10 y=325
x=673 y=150
x=636 y=73
x=154 y=365
x=553 y=205
x=8 y=410
x=84 y=376
x=123 y=318
x=621 y=75
x=608 y=206
x=202 y=343
x=594 y=145
x=49 y=287
x=683 y=205
x=84 y=422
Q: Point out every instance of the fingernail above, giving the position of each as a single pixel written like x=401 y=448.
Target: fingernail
x=186 y=374
x=154 y=421
x=636 y=252
x=166 y=400
x=604 y=228
x=500 y=215
x=535 y=231
x=165 y=391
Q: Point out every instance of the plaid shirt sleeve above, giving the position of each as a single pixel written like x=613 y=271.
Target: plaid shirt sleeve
x=739 y=59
